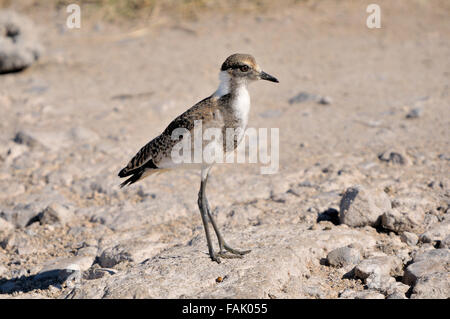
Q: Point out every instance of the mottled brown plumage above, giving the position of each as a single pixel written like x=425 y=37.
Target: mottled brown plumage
x=213 y=111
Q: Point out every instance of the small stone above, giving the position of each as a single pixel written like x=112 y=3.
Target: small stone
x=8 y=241
x=436 y=233
x=14 y=151
x=55 y=214
x=445 y=243
x=19 y=47
x=41 y=139
x=95 y=272
x=409 y=238
x=380 y=265
x=360 y=206
x=271 y=114
x=343 y=256
x=302 y=97
x=414 y=113
x=393 y=157
x=385 y=284
x=112 y=256
x=379 y=281
x=26 y=138
x=325 y=100
x=432 y=286
x=401 y=221
x=427 y=263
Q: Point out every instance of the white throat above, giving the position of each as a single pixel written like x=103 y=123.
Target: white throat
x=241 y=102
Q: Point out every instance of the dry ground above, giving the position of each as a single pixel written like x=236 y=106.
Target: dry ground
x=101 y=92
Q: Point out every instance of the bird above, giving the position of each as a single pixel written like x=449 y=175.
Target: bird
x=227 y=108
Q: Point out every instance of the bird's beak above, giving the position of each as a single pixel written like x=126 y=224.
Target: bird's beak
x=264 y=76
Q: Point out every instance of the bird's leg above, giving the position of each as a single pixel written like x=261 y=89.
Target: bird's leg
x=222 y=243
x=204 y=211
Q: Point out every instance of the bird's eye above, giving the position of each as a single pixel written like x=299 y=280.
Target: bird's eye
x=244 y=68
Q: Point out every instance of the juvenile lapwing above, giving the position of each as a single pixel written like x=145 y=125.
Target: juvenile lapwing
x=227 y=108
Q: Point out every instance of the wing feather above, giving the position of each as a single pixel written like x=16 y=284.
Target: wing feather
x=151 y=154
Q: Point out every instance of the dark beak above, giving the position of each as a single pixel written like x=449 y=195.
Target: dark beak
x=264 y=76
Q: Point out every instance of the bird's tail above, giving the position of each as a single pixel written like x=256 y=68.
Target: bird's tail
x=140 y=175
x=133 y=179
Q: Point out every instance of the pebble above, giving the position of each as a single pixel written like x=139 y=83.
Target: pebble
x=436 y=233
x=343 y=256
x=380 y=265
x=302 y=97
x=325 y=100
x=427 y=263
x=432 y=286
x=360 y=206
x=393 y=157
x=409 y=238
x=19 y=45
x=414 y=113
x=55 y=214
x=26 y=138
x=402 y=221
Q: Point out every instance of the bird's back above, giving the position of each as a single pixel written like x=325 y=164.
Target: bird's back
x=157 y=153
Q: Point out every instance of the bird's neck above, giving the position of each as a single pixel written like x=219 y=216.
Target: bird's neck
x=228 y=85
x=238 y=105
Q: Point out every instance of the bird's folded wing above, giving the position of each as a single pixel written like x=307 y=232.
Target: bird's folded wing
x=161 y=146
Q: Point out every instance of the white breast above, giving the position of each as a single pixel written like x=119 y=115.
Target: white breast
x=241 y=105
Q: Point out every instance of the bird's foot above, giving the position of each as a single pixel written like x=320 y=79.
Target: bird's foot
x=216 y=257
x=227 y=255
x=239 y=253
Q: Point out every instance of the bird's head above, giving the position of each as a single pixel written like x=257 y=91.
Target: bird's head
x=243 y=67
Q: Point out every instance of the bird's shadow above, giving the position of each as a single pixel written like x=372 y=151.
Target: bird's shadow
x=41 y=281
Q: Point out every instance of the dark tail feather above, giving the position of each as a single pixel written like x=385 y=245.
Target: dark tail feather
x=127 y=171
x=123 y=172
x=136 y=173
x=132 y=179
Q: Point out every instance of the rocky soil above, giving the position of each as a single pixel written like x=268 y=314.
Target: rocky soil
x=358 y=209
